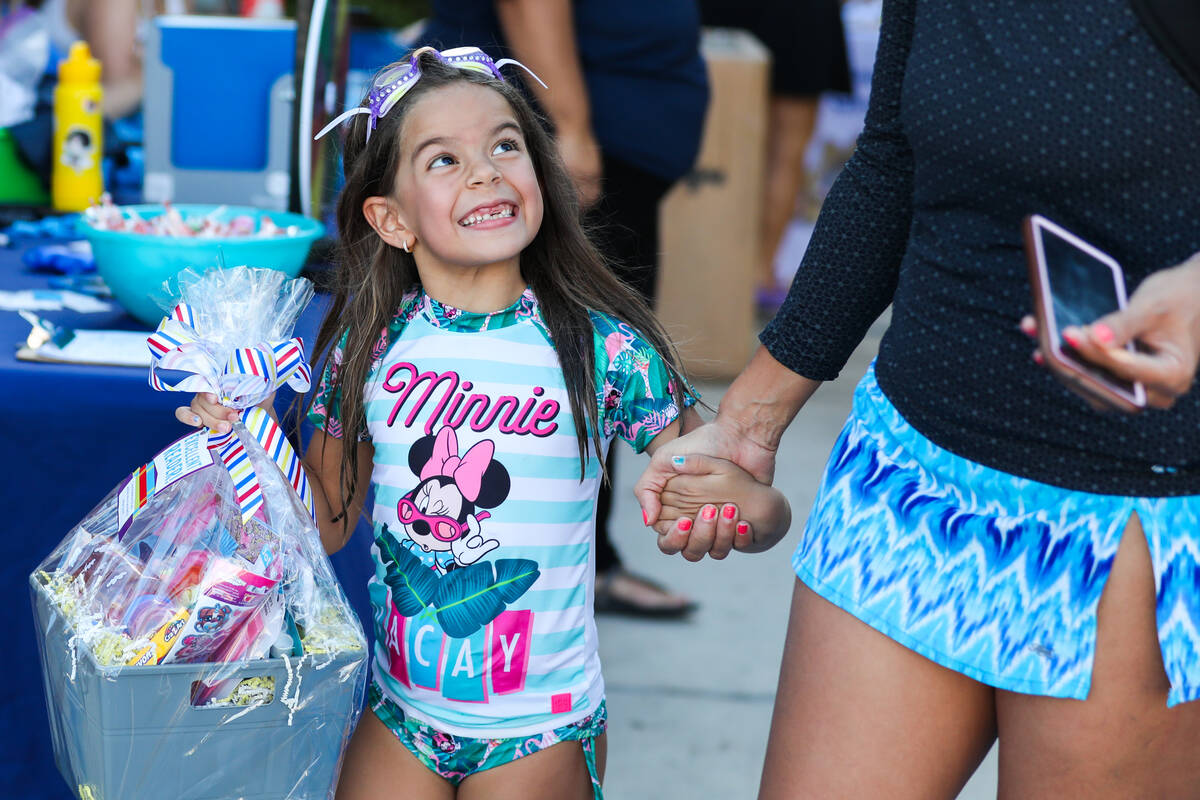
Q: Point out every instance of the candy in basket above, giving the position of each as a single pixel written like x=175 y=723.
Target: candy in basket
x=192 y=628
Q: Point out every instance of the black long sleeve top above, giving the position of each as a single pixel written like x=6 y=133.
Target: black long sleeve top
x=981 y=113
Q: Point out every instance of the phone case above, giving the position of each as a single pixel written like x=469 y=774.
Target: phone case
x=1061 y=364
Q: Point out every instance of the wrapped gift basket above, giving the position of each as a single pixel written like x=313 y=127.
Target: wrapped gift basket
x=195 y=643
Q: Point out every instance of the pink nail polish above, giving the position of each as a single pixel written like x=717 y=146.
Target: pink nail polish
x=743 y=528
x=729 y=511
x=645 y=517
x=1038 y=358
x=1103 y=333
x=709 y=512
x=1071 y=338
x=685 y=524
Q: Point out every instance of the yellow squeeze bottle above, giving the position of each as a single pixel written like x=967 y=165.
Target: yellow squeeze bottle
x=75 y=180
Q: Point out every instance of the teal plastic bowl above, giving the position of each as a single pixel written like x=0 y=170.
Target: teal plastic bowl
x=135 y=265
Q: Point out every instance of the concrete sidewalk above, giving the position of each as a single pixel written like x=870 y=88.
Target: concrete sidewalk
x=690 y=702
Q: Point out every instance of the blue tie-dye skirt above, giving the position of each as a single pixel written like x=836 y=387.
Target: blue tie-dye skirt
x=995 y=576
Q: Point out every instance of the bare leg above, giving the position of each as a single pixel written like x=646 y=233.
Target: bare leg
x=1122 y=741
x=556 y=773
x=858 y=715
x=791 y=126
x=379 y=767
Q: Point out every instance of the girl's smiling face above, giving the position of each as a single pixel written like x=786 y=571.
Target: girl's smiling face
x=466 y=186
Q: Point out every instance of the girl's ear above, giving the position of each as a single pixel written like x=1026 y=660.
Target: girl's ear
x=383 y=215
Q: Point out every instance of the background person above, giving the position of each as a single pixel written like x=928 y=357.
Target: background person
x=808 y=57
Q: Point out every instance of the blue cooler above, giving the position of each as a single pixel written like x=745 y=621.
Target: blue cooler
x=218 y=110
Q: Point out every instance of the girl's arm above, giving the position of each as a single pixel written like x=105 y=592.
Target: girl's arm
x=322 y=461
x=322 y=464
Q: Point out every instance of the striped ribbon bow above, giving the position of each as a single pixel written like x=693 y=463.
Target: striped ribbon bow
x=181 y=361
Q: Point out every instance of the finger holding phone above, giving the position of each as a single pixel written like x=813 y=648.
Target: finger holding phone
x=1162 y=317
x=1075 y=283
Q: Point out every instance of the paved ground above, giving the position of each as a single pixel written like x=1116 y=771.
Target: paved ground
x=690 y=703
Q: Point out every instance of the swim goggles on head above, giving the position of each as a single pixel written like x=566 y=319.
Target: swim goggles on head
x=394 y=83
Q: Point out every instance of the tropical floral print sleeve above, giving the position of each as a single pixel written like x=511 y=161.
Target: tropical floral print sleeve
x=325 y=413
x=634 y=388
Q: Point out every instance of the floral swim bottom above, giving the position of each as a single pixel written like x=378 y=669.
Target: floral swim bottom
x=456 y=758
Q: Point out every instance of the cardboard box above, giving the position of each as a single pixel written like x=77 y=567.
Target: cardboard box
x=711 y=223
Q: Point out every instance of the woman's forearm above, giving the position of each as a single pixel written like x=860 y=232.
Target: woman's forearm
x=764 y=399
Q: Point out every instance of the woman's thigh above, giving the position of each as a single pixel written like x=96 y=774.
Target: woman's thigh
x=557 y=773
x=858 y=715
x=379 y=767
x=1122 y=741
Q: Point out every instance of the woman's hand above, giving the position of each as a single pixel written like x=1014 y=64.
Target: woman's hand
x=719 y=439
x=756 y=409
x=1163 y=317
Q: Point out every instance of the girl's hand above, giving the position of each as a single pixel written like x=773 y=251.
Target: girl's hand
x=720 y=439
x=694 y=520
x=714 y=532
x=206 y=411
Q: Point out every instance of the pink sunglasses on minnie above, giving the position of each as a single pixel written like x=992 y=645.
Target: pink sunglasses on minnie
x=444 y=529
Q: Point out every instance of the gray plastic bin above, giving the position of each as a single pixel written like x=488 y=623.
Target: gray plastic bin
x=128 y=733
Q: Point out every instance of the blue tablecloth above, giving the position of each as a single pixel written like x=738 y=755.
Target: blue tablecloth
x=68 y=435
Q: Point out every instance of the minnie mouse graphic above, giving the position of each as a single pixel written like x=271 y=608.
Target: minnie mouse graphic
x=440 y=514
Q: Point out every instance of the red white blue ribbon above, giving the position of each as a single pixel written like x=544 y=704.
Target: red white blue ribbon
x=181 y=361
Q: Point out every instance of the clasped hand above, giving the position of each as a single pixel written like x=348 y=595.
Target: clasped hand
x=700 y=502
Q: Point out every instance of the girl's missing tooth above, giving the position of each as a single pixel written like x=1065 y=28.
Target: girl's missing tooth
x=481 y=359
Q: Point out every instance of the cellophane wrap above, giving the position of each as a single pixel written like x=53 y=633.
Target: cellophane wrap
x=192 y=633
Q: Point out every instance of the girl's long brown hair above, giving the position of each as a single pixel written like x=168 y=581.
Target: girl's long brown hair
x=564 y=269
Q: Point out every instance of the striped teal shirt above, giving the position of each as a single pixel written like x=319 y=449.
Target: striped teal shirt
x=484 y=563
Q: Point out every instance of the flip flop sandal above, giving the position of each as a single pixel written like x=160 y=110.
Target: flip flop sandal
x=608 y=603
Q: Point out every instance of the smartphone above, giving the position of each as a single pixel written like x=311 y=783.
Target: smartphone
x=1074 y=284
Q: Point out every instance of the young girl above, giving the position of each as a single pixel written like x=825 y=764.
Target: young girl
x=484 y=359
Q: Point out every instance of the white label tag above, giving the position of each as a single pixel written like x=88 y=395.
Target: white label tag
x=182 y=458
x=177 y=460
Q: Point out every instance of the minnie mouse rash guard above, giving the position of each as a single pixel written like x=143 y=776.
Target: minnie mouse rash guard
x=484 y=566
